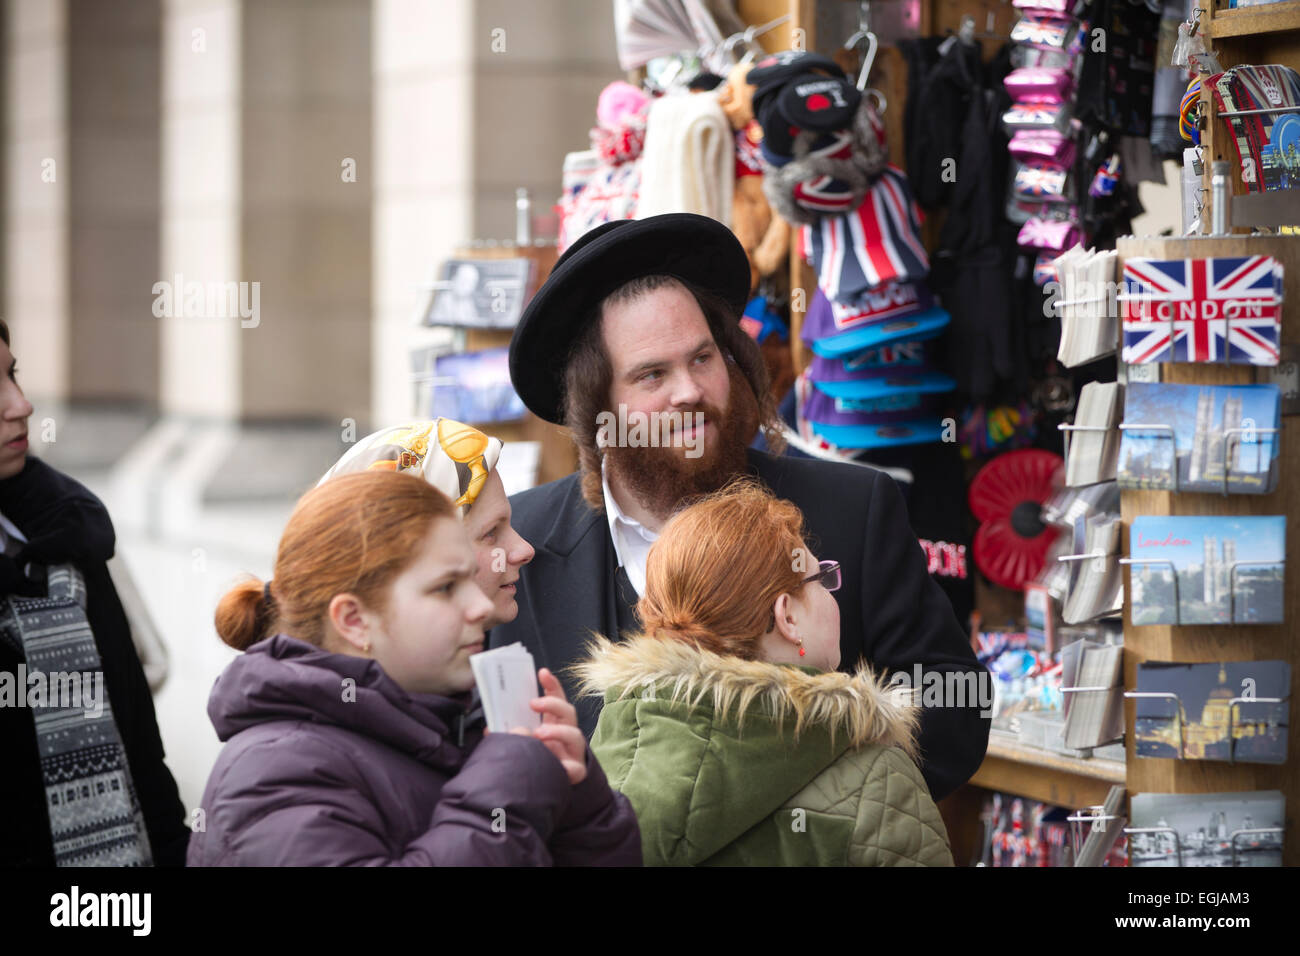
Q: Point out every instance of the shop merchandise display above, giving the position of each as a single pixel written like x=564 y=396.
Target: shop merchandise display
x=1265 y=136
x=1093 y=707
x=1040 y=696
x=1093 y=449
x=764 y=235
x=1084 y=301
x=1000 y=314
x=1169 y=84
x=1040 y=123
x=647 y=29
x=1208 y=570
x=824 y=157
x=604 y=183
x=1207 y=829
x=689 y=158
x=1006 y=497
x=1099 y=831
x=1082 y=573
x=1221 y=710
x=1024 y=833
x=1096 y=585
x=1210 y=438
x=1202 y=310
x=474 y=387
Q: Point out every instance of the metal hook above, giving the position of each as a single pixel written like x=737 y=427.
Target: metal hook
x=864 y=33
x=749 y=35
x=868 y=58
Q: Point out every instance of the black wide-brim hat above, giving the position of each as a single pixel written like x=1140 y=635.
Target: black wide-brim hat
x=696 y=249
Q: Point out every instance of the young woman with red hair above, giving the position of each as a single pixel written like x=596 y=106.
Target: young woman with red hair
x=349 y=739
x=725 y=721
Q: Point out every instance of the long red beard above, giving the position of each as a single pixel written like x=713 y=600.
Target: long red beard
x=664 y=479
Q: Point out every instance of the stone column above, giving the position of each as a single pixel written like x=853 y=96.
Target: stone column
x=36 y=194
x=113 y=113
x=201 y=352
x=424 y=177
x=538 y=69
x=266 y=120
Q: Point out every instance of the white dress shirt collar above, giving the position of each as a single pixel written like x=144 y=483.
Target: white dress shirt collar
x=631 y=538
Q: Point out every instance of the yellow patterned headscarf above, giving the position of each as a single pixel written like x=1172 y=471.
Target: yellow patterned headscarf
x=454 y=458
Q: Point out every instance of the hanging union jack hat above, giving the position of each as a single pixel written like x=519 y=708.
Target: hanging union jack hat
x=875 y=243
x=1202 y=310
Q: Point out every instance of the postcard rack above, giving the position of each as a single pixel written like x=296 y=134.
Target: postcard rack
x=1173 y=575
x=1179 y=717
x=1234 y=838
x=1233 y=440
x=1197 y=643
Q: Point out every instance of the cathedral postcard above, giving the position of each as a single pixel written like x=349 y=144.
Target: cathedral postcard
x=1207 y=570
x=1216 y=438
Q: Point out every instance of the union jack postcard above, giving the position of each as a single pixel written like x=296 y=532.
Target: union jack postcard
x=1202 y=310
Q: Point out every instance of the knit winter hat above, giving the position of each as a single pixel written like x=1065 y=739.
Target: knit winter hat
x=454 y=458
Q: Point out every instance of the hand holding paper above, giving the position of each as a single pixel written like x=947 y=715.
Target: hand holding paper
x=507 y=685
x=559 y=730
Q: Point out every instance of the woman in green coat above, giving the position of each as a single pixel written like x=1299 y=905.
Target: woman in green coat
x=725 y=722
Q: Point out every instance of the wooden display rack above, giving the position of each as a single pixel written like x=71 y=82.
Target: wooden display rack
x=1257 y=34
x=1040 y=775
x=1194 y=644
x=1269 y=34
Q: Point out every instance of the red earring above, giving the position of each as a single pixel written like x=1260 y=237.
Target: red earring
x=802 y=652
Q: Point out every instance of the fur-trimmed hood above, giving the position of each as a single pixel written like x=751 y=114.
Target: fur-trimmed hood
x=745 y=763
x=857 y=705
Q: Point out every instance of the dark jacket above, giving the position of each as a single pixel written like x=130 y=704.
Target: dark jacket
x=65 y=523
x=313 y=775
x=891 y=612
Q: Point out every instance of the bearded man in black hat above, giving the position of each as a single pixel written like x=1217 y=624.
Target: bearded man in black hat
x=639 y=323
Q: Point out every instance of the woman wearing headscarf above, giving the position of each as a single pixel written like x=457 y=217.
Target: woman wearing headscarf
x=725 y=722
x=84 y=779
x=459 y=461
x=347 y=722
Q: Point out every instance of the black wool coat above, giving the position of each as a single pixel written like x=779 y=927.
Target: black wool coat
x=66 y=523
x=891 y=611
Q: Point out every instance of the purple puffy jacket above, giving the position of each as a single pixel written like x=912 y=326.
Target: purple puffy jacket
x=318 y=772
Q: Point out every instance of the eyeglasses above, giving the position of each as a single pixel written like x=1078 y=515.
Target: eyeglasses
x=828 y=573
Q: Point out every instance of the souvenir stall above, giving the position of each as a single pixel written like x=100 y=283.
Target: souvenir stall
x=1090 y=430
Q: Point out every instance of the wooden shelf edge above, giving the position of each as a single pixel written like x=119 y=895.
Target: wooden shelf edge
x=1111 y=771
x=1247 y=21
x=1045 y=776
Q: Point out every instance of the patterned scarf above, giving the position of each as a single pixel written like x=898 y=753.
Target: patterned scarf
x=1252 y=88
x=95 y=815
